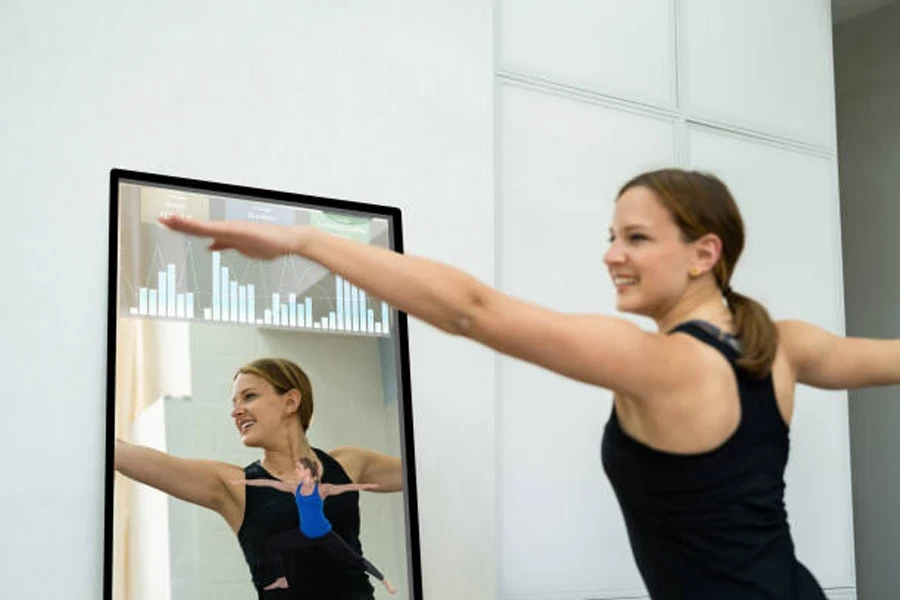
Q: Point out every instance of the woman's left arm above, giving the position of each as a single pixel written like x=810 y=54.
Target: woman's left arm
x=827 y=361
x=370 y=467
x=331 y=489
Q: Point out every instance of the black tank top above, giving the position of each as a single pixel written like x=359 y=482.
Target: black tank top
x=313 y=573
x=712 y=525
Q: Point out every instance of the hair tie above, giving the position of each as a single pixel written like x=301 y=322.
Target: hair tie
x=727 y=290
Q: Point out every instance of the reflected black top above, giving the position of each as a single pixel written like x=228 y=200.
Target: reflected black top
x=313 y=573
x=712 y=525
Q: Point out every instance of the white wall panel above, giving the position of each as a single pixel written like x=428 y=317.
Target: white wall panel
x=562 y=161
x=761 y=64
x=624 y=48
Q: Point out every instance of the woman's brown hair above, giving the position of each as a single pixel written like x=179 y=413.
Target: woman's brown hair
x=701 y=204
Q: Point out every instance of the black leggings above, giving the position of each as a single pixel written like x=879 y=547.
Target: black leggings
x=331 y=541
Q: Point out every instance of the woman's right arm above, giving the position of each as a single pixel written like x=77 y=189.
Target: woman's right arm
x=201 y=482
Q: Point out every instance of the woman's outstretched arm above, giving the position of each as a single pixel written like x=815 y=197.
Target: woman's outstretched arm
x=368 y=466
x=824 y=360
x=331 y=489
x=601 y=350
x=201 y=482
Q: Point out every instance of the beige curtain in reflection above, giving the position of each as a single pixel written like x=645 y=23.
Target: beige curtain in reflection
x=138 y=384
x=140 y=374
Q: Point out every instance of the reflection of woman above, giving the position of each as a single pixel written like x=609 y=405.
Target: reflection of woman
x=272 y=410
x=315 y=528
x=697 y=442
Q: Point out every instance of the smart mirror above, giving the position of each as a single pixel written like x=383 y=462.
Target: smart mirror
x=225 y=371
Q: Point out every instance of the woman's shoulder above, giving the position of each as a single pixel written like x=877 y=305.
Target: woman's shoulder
x=338 y=464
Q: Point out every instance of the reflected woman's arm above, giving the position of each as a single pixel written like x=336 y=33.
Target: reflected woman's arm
x=200 y=482
x=368 y=466
x=331 y=489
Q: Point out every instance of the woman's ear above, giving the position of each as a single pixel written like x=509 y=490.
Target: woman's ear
x=707 y=251
x=293 y=401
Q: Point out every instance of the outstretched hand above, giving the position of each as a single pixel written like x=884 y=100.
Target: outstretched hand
x=255 y=240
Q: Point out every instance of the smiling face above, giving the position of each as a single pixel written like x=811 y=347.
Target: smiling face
x=648 y=258
x=260 y=413
x=268 y=395
x=653 y=264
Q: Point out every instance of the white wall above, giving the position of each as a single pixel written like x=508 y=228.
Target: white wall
x=867 y=78
x=591 y=93
x=385 y=102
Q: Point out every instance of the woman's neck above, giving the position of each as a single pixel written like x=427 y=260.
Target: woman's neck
x=280 y=460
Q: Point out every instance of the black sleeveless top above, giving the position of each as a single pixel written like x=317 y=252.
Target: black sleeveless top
x=712 y=525
x=313 y=573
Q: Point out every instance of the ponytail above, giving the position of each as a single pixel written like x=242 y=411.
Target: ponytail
x=756 y=331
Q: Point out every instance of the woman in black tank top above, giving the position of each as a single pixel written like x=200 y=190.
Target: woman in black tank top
x=272 y=410
x=697 y=440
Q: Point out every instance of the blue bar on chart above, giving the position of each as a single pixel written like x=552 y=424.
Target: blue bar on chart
x=332 y=320
x=170 y=271
x=152 y=301
x=267 y=316
x=189 y=296
x=370 y=320
x=276 y=311
x=161 y=295
x=309 y=320
x=251 y=303
x=223 y=296
x=301 y=319
x=207 y=314
x=242 y=300
x=354 y=307
x=339 y=300
x=284 y=315
x=324 y=323
x=234 y=300
x=216 y=260
x=377 y=327
x=362 y=311
x=179 y=306
x=385 y=318
x=348 y=316
x=142 y=301
x=292 y=309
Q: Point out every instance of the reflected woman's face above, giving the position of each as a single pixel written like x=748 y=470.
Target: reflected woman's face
x=304 y=472
x=257 y=409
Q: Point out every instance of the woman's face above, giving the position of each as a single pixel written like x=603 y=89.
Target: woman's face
x=259 y=412
x=647 y=259
x=304 y=472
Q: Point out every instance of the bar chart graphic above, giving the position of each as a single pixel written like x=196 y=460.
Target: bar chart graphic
x=345 y=309
x=165 y=275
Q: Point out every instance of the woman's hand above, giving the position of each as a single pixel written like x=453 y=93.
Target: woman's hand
x=255 y=240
